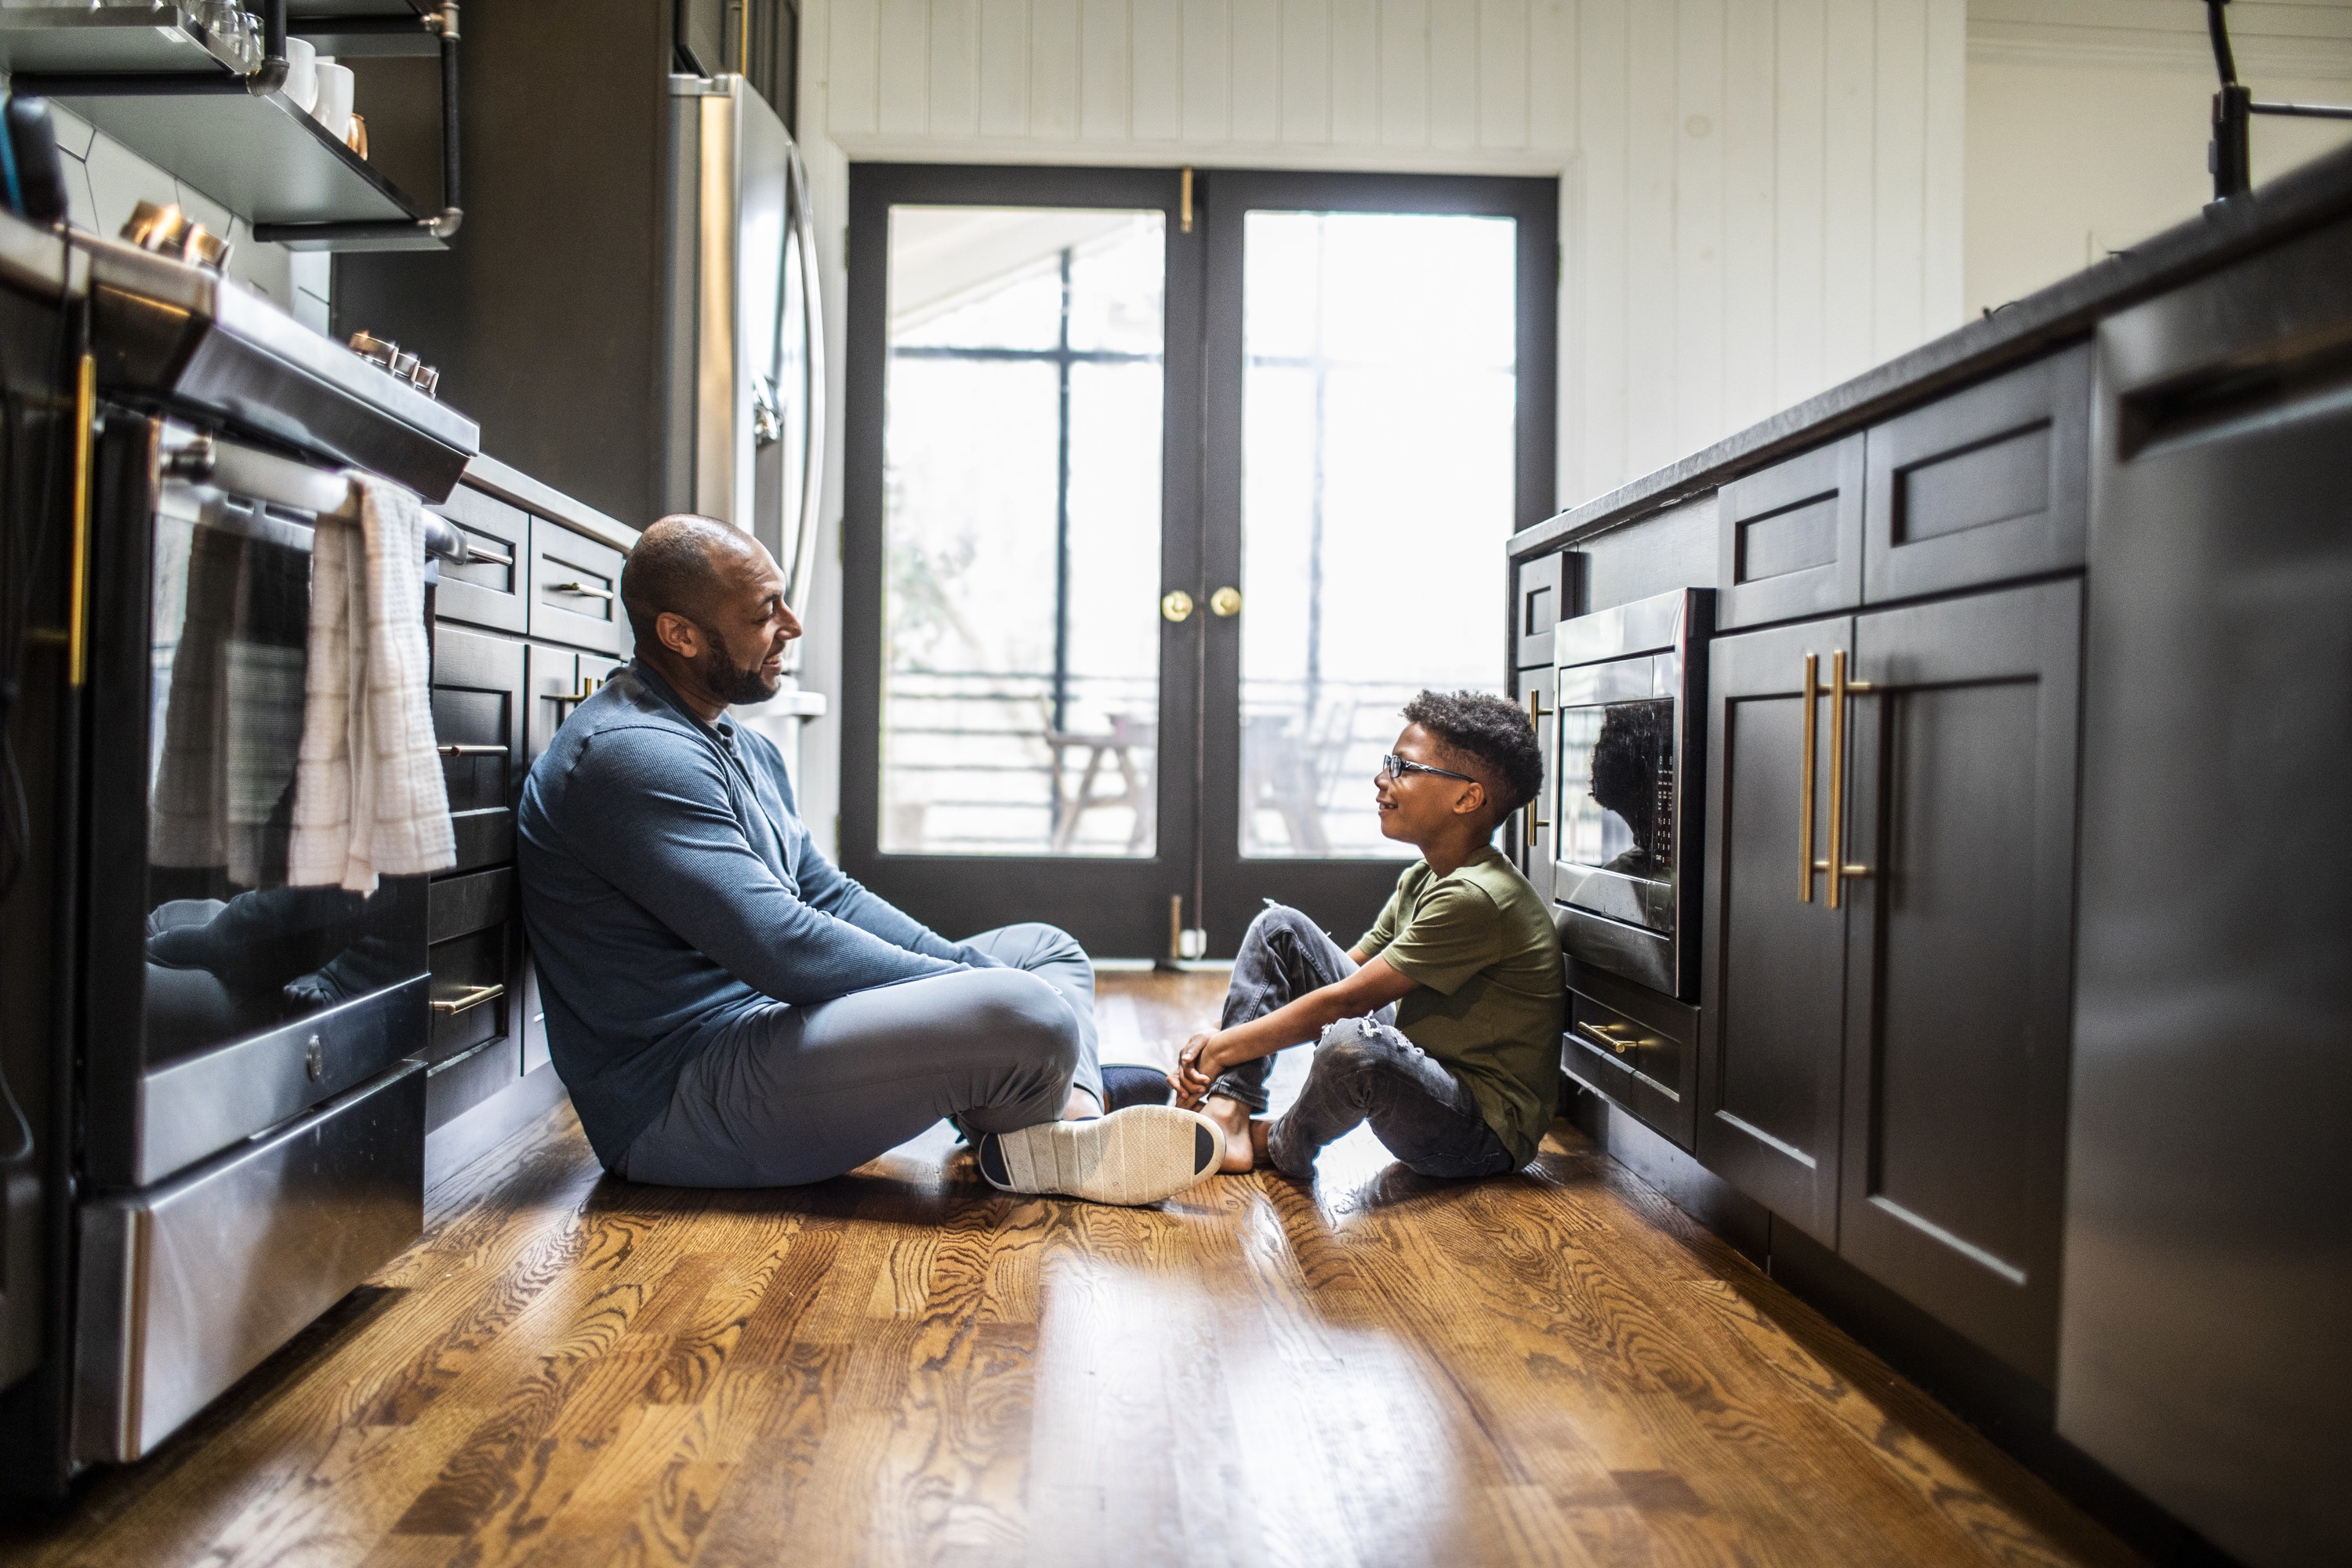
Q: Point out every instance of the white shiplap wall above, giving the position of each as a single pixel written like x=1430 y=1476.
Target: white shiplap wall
x=1759 y=198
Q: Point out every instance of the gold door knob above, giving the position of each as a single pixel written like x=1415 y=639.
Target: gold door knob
x=1225 y=603
x=1176 y=606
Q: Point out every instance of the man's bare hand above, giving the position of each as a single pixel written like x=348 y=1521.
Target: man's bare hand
x=1196 y=1069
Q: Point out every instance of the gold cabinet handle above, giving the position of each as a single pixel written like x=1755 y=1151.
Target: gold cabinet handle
x=1225 y=604
x=1618 y=1037
x=1805 y=867
x=1537 y=714
x=1176 y=606
x=471 y=751
x=1840 y=688
x=583 y=589
x=587 y=689
x=471 y=997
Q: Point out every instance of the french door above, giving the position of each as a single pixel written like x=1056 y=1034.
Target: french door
x=1164 y=491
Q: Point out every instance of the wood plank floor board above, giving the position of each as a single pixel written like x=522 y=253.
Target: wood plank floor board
x=906 y=1366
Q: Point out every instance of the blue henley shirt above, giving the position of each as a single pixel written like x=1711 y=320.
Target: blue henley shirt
x=668 y=888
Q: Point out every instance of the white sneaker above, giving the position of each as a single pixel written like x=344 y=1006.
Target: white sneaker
x=1139 y=1155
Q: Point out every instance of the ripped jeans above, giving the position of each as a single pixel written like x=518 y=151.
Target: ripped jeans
x=1365 y=1069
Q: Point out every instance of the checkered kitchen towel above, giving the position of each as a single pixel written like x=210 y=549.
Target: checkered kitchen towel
x=368 y=796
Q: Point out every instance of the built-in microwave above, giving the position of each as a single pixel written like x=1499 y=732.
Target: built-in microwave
x=1627 y=770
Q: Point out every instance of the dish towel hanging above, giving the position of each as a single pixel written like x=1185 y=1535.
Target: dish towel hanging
x=368 y=796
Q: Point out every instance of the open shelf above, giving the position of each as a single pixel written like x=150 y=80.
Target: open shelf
x=260 y=157
x=108 y=38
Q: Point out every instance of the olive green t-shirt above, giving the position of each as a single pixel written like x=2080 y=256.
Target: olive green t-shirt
x=1489 y=992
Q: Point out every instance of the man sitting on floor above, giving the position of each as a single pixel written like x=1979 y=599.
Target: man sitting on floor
x=1441 y=1026
x=726 y=1007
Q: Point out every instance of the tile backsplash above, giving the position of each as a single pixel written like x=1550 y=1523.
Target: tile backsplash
x=104 y=180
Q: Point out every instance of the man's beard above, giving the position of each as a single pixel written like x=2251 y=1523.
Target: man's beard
x=731 y=683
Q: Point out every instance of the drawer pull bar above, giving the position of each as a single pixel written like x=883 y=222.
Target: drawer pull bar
x=587 y=689
x=1839 y=690
x=474 y=996
x=583 y=589
x=1608 y=1035
x=471 y=751
x=481 y=557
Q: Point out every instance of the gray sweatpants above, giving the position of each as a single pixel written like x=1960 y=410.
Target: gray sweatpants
x=787 y=1095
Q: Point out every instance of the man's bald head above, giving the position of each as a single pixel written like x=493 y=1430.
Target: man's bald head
x=679 y=566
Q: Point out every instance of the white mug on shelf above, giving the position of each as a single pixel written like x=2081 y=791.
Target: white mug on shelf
x=333 y=111
x=301 y=87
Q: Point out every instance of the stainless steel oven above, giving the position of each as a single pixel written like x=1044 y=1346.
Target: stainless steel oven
x=230 y=1128
x=1630 y=686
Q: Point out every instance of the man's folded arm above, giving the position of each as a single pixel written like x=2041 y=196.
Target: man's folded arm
x=826 y=887
x=663 y=839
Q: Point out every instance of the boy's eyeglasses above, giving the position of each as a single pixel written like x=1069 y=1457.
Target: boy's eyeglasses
x=1396 y=767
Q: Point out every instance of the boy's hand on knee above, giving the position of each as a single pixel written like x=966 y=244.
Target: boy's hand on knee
x=1196 y=1069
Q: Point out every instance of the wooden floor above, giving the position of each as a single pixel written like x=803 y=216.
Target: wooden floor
x=905 y=1367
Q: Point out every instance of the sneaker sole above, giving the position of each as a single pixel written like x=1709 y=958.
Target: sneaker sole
x=1139 y=1155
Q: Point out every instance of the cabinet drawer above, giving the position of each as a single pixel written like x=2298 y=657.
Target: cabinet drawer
x=1635 y=1047
x=575 y=589
x=477 y=684
x=1539 y=605
x=1791 y=537
x=1987 y=485
x=488 y=590
x=462 y=904
x=470 y=1002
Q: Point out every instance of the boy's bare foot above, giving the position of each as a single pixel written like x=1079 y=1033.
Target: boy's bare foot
x=1260 y=1127
x=1245 y=1142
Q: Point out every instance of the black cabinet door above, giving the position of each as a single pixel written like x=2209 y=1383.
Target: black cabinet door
x=477 y=717
x=1961 y=802
x=1791 y=537
x=1531 y=830
x=1987 y=484
x=1774 y=967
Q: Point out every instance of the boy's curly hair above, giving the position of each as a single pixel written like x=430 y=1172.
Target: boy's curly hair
x=1491 y=731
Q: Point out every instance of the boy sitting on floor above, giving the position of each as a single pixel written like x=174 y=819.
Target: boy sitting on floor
x=1441 y=1026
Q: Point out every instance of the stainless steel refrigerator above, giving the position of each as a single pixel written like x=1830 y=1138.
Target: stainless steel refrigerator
x=743 y=368
x=635 y=322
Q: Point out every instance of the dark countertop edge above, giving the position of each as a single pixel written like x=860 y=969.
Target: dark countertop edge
x=2303 y=199
x=486 y=473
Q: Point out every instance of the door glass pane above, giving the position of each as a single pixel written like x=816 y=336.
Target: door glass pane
x=1377 y=454
x=1020 y=514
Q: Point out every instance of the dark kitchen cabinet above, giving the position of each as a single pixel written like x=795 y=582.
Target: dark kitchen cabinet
x=488 y=589
x=1772 y=988
x=575 y=590
x=1532 y=832
x=1987 y=484
x=1791 y=537
x=477 y=717
x=1959 y=959
x=1888 y=1071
